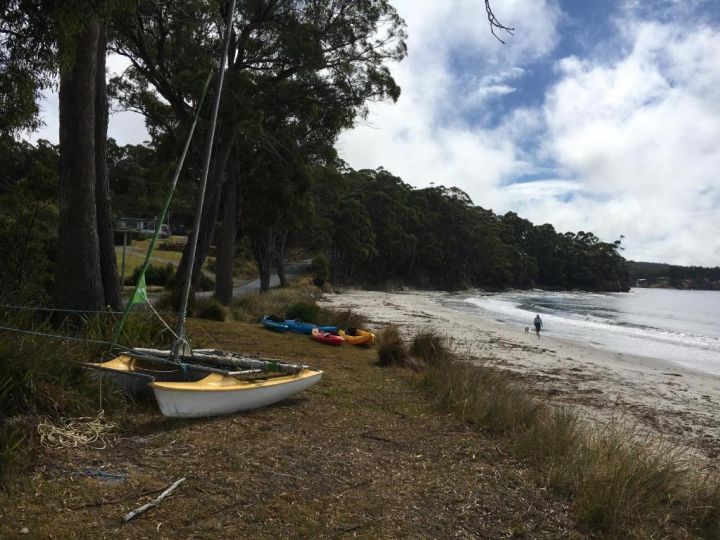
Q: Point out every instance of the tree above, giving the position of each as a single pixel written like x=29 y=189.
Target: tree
x=338 y=48
x=40 y=39
x=86 y=271
x=28 y=220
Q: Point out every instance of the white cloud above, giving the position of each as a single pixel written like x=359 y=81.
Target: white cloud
x=424 y=137
x=636 y=132
x=644 y=132
x=124 y=126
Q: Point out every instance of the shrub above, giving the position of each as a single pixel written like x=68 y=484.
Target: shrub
x=211 y=309
x=320 y=267
x=303 y=311
x=392 y=350
x=155 y=275
x=205 y=283
x=250 y=307
x=428 y=347
x=345 y=319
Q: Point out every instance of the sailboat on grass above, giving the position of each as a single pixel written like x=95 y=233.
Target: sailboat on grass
x=199 y=383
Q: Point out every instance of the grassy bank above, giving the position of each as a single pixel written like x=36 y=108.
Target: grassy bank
x=619 y=482
x=362 y=454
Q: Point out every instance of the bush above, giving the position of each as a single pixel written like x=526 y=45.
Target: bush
x=211 y=309
x=303 y=311
x=320 y=268
x=345 y=319
x=155 y=275
x=392 y=350
x=205 y=283
x=171 y=245
x=428 y=347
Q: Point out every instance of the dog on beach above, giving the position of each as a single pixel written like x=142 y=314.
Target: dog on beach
x=527 y=329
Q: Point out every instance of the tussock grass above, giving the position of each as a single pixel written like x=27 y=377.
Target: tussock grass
x=621 y=482
x=43 y=376
x=211 y=309
x=392 y=350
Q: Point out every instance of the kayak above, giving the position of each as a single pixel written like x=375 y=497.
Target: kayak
x=355 y=336
x=276 y=324
x=326 y=337
x=301 y=327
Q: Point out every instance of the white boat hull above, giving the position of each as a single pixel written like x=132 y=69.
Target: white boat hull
x=217 y=394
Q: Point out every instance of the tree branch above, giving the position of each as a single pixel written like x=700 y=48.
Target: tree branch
x=495 y=24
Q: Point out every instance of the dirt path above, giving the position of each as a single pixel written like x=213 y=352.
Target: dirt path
x=362 y=454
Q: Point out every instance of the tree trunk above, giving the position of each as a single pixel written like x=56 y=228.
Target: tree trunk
x=207 y=226
x=280 y=259
x=226 y=244
x=264 y=256
x=78 y=280
x=108 y=261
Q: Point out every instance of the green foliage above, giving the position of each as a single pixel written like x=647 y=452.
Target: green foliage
x=391 y=349
x=303 y=311
x=682 y=277
x=384 y=231
x=320 y=268
x=211 y=309
x=43 y=376
x=155 y=275
x=28 y=220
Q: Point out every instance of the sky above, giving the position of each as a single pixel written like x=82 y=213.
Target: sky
x=595 y=115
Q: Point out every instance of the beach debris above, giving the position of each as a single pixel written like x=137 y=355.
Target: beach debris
x=89 y=431
x=145 y=507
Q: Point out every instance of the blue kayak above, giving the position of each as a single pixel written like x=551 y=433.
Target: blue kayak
x=307 y=328
x=273 y=323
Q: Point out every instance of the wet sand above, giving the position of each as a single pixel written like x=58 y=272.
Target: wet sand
x=681 y=404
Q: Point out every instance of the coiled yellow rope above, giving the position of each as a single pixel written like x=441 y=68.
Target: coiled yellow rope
x=74 y=432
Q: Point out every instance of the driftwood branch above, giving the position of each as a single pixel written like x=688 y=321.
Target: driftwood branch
x=145 y=507
x=495 y=24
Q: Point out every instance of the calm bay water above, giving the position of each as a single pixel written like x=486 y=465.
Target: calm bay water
x=679 y=326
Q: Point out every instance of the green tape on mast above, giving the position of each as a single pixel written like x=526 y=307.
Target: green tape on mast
x=137 y=297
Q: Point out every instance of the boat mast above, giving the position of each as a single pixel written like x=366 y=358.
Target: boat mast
x=180 y=338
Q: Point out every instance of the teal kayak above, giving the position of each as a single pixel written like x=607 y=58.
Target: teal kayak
x=276 y=324
x=301 y=327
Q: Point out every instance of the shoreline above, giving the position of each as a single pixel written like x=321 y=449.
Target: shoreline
x=677 y=402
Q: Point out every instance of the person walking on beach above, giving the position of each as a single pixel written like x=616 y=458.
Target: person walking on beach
x=538 y=325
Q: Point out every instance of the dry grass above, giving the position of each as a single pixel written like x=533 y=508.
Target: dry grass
x=620 y=482
x=363 y=453
x=392 y=351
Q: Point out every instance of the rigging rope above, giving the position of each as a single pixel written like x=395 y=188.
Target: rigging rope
x=161 y=218
x=91 y=431
x=89 y=311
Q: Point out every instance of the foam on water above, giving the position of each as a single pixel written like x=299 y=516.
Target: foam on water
x=679 y=326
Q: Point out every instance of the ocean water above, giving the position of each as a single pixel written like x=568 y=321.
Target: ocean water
x=678 y=326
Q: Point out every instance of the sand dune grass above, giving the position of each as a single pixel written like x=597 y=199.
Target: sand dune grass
x=619 y=481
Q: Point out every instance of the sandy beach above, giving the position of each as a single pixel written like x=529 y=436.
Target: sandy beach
x=676 y=402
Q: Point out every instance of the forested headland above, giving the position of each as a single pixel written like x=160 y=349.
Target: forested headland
x=646 y=274
x=298 y=75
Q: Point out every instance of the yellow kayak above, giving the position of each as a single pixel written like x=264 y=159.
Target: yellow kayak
x=355 y=336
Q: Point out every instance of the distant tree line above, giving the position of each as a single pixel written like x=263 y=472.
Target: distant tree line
x=670 y=275
x=377 y=229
